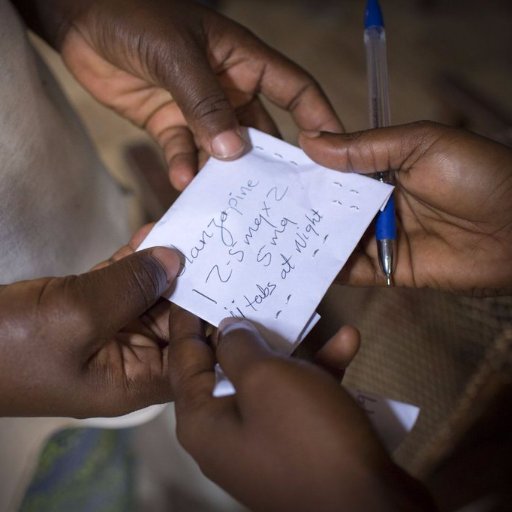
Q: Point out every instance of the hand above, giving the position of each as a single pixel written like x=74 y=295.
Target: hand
x=291 y=438
x=453 y=201
x=179 y=70
x=88 y=345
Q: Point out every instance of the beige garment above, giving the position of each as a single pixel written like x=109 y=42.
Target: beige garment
x=61 y=212
x=435 y=350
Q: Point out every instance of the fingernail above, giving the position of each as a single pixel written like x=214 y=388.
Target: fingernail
x=228 y=145
x=311 y=134
x=180 y=180
x=230 y=324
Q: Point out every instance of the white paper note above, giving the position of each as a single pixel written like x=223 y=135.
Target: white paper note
x=392 y=420
x=264 y=236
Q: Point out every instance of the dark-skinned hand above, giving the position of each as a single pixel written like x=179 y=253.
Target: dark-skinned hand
x=88 y=345
x=183 y=72
x=290 y=439
x=453 y=201
x=97 y=344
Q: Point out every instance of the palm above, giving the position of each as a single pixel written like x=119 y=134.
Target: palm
x=130 y=94
x=451 y=235
x=138 y=352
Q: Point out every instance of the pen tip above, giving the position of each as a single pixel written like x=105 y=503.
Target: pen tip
x=389 y=280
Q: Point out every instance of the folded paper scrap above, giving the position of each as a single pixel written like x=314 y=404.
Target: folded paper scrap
x=264 y=236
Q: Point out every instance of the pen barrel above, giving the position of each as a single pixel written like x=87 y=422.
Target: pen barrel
x=377 y=69
x=385 y=226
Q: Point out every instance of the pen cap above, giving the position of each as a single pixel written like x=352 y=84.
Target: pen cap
x=373 y=14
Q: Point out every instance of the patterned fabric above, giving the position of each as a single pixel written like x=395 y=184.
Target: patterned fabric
x=423 y=347
x=83 y=470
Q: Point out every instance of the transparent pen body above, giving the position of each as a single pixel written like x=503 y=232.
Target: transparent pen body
x=378 y=97
x=378 y=89
x=377 y=69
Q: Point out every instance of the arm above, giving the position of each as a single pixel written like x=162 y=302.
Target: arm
x=290 y=439
x=453 y=200
x=182 y=72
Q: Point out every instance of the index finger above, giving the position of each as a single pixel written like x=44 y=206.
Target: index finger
x=191 y=360
x=290 y=87
x=200 y=417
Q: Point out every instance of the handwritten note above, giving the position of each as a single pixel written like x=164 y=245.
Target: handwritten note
x=264 y=236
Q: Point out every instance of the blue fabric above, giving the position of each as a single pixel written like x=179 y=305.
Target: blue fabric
x=83 y=470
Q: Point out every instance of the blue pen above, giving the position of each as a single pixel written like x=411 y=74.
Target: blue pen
x=378 y=97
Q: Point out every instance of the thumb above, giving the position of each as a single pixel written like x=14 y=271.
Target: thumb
x=205 y=106
x=100 y=302
x=240 y=348
x=371 y=151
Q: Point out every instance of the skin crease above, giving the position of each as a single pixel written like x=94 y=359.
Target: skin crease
x=183 y=72
x=453 y=199
x=290 y=439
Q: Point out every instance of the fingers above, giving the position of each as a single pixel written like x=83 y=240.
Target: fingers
x=339 y=351
x=129 y=248
x=139 y=236
x=201 y=418
x=191 y=360
x=240 y=347
x=97 y=304
x=255 y=68
x=180 y=153
x=371 y=151
x=291 y=88
x=254 y=114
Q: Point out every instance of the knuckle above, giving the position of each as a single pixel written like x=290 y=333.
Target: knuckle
x=65 y=302
x=22 y=311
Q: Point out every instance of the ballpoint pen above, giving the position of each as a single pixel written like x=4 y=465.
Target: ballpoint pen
x=378 y=97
